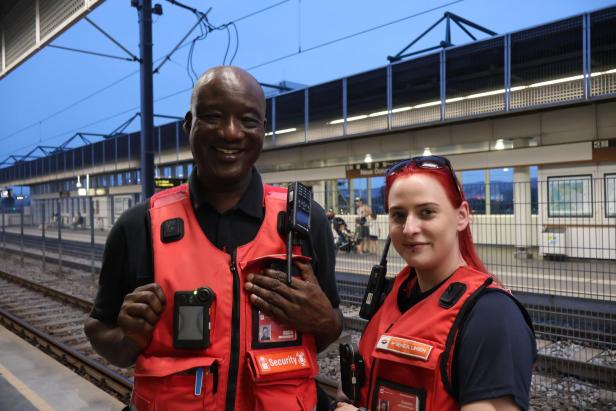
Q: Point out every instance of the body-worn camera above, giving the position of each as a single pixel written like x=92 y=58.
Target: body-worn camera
x=351 y=370
x=191 y=318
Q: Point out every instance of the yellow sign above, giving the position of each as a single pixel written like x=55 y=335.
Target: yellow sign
x=163 y=183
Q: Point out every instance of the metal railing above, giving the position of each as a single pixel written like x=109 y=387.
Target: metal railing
x=558 y=257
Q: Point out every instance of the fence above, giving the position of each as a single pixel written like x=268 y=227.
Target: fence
x=558 y=257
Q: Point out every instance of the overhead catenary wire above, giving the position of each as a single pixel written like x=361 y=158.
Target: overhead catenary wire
x=330 y=42
x=116 y=82
x=327 y=43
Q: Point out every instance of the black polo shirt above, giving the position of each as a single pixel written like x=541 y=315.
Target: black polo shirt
x=128 y=263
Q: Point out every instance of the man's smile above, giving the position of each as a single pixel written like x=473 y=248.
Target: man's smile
x=226 y=150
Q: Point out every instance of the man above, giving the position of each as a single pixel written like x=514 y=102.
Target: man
x=210 y=233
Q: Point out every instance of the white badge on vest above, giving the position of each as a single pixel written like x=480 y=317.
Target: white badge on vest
x=404 y=347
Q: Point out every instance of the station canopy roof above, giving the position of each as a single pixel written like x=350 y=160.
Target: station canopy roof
x=26 y=26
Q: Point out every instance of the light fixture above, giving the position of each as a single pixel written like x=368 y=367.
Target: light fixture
x=456 y=99
x=505 y=169
x=368 y=158
x=78 y=185
x=557 y=81
x=427 y=151
x=354 y=118
x=19 y=197
x=82 y=192
x=286 y=130
x=430 y=104
x=378 y=113
x=500 y=144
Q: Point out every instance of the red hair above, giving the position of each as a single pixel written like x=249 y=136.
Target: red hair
x=454 y=192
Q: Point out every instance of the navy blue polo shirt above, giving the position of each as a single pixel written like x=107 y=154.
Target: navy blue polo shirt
x=495 y=349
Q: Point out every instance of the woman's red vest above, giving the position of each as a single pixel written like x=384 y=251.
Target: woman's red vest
x=408 y=356
x=253 y=363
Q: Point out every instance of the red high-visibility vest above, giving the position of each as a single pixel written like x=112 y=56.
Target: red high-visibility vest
x=408 y=356
x=253 y=363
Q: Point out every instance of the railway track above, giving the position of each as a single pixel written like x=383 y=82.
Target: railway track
x=53 y=321
x=591 y=340
x=549 y=326
x=596 y=329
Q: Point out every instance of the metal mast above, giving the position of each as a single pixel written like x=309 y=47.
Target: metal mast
x=144 y=8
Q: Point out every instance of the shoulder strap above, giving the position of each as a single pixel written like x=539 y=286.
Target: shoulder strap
x=447 y=354
x=170 y=195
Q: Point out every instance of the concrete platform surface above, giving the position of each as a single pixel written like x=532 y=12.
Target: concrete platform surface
x=31 y=380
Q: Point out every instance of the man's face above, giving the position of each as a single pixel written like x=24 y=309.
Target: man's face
x=226 y=127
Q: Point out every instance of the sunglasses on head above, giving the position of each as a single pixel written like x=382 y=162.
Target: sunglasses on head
x=425 y=162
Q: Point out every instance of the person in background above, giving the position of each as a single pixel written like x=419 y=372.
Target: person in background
x=448 y=336
x=374 y=233
x=362 y=230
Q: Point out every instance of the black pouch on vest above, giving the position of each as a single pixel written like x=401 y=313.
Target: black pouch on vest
x=351 y=370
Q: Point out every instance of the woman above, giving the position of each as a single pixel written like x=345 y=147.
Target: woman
x=447 y=336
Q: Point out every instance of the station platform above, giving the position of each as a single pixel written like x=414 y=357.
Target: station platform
x=31 y=380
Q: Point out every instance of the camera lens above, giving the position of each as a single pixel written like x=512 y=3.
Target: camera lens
x=204 y=295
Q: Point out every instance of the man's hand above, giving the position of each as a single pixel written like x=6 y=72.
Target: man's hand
x=140 y=312
x=343 y=406
x=302 y=304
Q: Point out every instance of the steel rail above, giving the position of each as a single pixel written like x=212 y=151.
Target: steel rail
x=604 y=375
x=102 y=376
x=78 y=302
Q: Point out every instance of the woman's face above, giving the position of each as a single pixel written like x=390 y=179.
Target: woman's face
x=423 y=225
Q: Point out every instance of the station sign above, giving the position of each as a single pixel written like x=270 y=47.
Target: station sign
x=604 y=150
x=167 y=182
x=363 y=170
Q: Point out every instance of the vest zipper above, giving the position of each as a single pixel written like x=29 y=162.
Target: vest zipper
x=372 y=373
x=235 y=336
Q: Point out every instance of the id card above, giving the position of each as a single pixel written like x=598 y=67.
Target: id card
x=267 y=332
x=271 y=331
x=390 y=396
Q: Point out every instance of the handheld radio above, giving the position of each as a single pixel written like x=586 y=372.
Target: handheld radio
x=299 y=198
x=376 y=286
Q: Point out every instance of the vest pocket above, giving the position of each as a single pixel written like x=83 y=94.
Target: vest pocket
x=265 y=331
x=282 y=379
x=407 y=371
x=391 y=396
x=188 y=390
